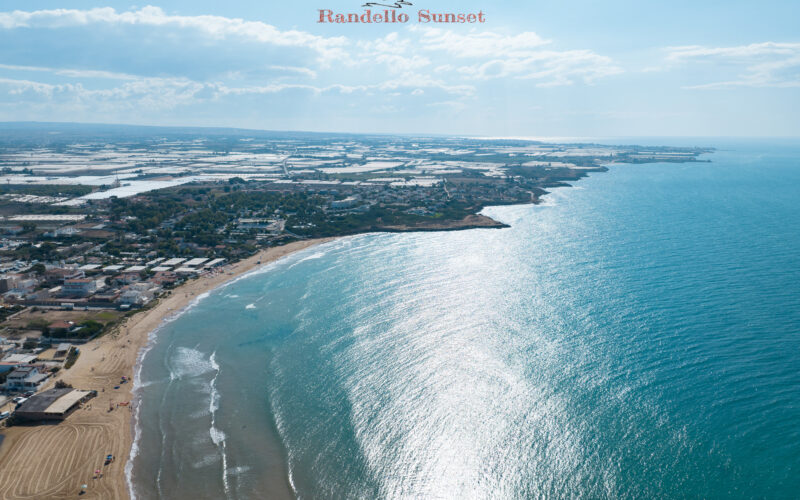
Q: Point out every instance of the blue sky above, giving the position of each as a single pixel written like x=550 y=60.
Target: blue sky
x=534 y=69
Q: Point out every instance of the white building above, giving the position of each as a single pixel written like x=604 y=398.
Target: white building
x=80 y=287
x=24 y=378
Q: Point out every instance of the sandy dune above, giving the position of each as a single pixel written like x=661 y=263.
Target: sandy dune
x=53 y=461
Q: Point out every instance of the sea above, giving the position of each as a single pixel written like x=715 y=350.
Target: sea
x=634 y=336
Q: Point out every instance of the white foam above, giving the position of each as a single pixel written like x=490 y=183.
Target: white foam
x=250 y=306
x=206 y=461
x=138 y=385
x=217 y=436
x=314 y=256
x=188 y=362
x=236 y=471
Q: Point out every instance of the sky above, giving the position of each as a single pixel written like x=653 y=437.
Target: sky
x=541 y=68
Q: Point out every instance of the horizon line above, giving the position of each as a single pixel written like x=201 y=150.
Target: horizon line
x=517 y=137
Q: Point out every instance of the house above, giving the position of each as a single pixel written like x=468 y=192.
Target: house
x=20 y=286
x=348 y=202
x=59 y=275
x=132 y=298
x=62 y=350
x=61 y=231
x=138 y=294
x=165 y=278
x=128 y=278
x=79 y=287
x=20 y=359
x=24 y=378
x=9 y=282
x=60 y=326
x=105 y=298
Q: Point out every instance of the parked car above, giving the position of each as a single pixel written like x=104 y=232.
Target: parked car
x=4 y=415
x=21 y=400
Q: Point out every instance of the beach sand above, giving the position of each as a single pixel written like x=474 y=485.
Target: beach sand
x=53 y=461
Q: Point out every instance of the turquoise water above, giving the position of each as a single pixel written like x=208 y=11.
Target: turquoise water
x=636 y=336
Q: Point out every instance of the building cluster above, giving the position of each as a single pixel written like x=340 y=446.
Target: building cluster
x=23 y=371
x=72 y=286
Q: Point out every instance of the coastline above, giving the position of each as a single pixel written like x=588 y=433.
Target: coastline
x=65 y=455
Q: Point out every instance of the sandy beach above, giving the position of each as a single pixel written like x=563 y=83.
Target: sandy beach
x=53 y=461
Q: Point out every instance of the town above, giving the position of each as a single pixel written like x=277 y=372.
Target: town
x=99 y=223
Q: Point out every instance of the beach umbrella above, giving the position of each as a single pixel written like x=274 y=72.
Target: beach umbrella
x=84 y=486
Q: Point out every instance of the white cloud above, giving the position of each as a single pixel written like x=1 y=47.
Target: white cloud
x=215 y=26
x=743 y=53
x=73 y=73
x=520 y=56
x=766 y=64
x=480 y=44
x=550 y=68
x=296 y=70
x=437 y=65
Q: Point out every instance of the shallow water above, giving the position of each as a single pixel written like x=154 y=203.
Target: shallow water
x=635 y=336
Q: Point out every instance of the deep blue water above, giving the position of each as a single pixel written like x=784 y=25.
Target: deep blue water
x=637 y=336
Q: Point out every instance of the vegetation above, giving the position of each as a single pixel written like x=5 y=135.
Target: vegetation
x=72 y=357
x=66 y=190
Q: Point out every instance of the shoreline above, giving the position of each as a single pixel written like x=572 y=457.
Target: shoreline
x=77 y=445
x=126 y=348
x=119 y=427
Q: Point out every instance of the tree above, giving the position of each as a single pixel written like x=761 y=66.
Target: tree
x=60 y=384
x=38 y=269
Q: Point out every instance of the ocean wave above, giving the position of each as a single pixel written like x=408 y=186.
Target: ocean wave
x=217 y=436
x=314 y=256
x=188 y=362
x=250 y=306
x=206 y=461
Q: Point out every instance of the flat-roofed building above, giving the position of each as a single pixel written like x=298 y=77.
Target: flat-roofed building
x=187 y=270
x=173 y=262
x=54 y=404
x=80 y=287
x=24 y=378
x=112 y=269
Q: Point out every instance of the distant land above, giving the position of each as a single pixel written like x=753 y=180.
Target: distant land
x=341 y=183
